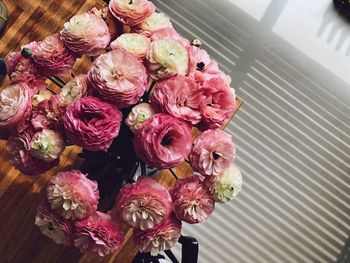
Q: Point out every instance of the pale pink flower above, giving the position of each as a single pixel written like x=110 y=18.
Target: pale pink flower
x=86 y=34
x=131 y=12
x=92 y=123
x=153 y=23
x=144 y=204
x=201 y=66
x=169 y=32
x=15 y=107
x=179 y=97
x=72 y=195
x=119 y=78
x=98 y=234
x=74 y=89
x=192 y=201
x=115 y=27
x=163 y=141
x=167 y=58
x=162 y=237
x=51 y=57
x=53 y=226
x=218 y=104
x=212 y=152
x=138 y=115
x=133 y=43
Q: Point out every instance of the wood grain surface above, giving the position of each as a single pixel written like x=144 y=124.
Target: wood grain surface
x=20 y=240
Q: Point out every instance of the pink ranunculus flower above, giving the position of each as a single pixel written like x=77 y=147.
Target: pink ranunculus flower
x=53 y=226
x=218 y=104
x=163 y=141
x=179 y=97
x=92 y=123
x=98 y=234
x=119 y=78
x=162 y=237
x=72 y=195
x=86 y=34
x=51 y=57
x=169 y=32
x=131 y=12
x=153 y=23
x=115 y=27
x=133 y=43
x=167 y=58
x=201 y=66
x=15 y=107
x=74 y=89
x=18 y=150
x=192 y=201
x=144 y=204
x=213 y=152
x=138 y=115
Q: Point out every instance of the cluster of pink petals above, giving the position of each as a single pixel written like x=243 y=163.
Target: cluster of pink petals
x=99 y=234
x=192 y=200
x=18 y=150
x=213 y=152
x=179 y=97
x=160 y=238
x=163 y=141
x=15 y=107
x=201 y=66
x=119 y=78
x=92 y=123
x=72 y=195
x=53 y=226
x=143 y=205
x=169 y=32
x=51 y=57
x=115 y=27
x=131 y=12
x=86 y=34
x=218 y=103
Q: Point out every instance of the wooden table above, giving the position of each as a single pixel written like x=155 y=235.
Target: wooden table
x=20 y=240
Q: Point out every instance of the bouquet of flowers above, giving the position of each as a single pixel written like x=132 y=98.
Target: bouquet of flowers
x=145 y=78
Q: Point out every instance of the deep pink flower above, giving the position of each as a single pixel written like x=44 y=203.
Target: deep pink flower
x=160 y=238
x=179 y=97
x=15 y=107
x=119 y=78
x=92 y=123
x=163 y=141
x=213 y=152
x=98 y=234
x=18 y=149
x=169 y=32
x=218 y=104
x=86 y=34
x=53 y=226
x=192 y=201
x=131 y=12
x=72 y=195
x=144 y=204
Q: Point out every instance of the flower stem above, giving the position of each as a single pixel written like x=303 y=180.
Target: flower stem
x=143 y=169
x=174 y=174
x=150 y=89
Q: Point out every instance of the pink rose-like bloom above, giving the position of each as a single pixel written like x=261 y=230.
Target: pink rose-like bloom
x=92 y=123
x=115 y=27
x=217 y=105
x=138 y=115
x=213 y=152
x=133 y=43
x=201 y=66
x=153 y=23
x=192 y=201
x=98 y=234
x=15 y=107
x=163 y=141
x=179 y=97
x=72 y=195
x=18 y=150
x=160 y=238
x=74 y=89
x=143 y=205
x=58 y=229
x=51 y=57
x=169 y=32
x=131 y=12
x=119 y=78
x=86 y=34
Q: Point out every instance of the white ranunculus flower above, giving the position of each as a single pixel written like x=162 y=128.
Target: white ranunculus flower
x=74 y=89
x=138 y=115
x=153 y=23
x=133 y=43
